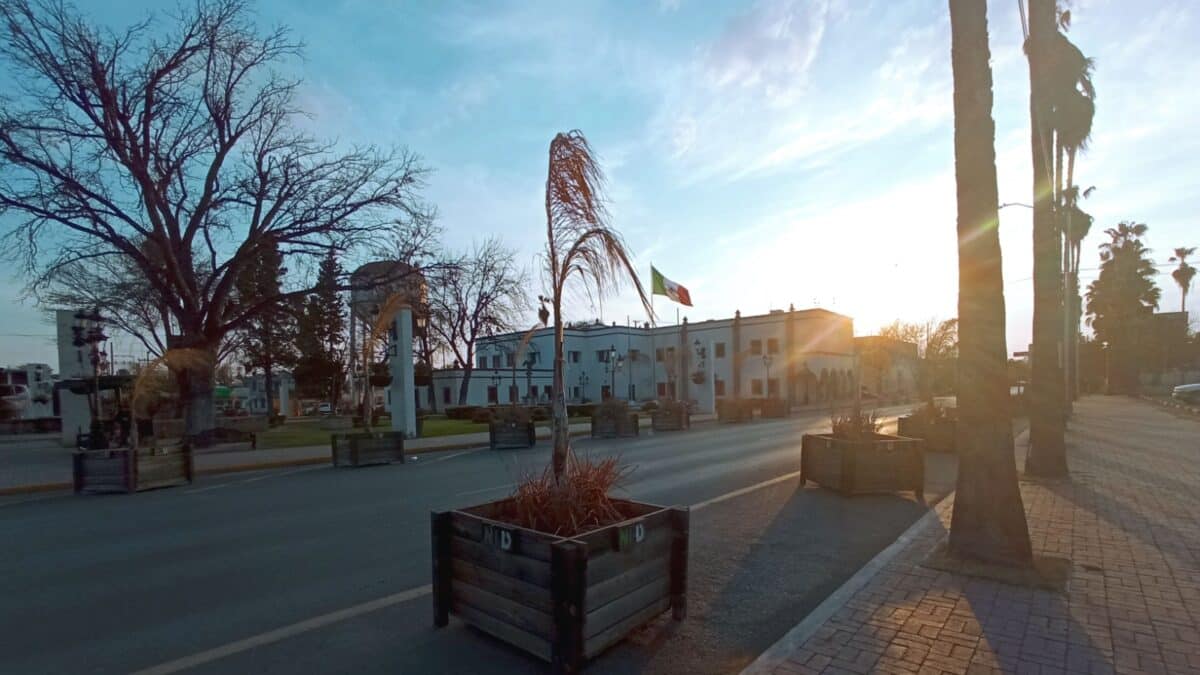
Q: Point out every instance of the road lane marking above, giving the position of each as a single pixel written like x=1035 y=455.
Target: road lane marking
x=417 y=456
x=272 y=636
x=488 y=489
x=263 y=476
x=746 y=490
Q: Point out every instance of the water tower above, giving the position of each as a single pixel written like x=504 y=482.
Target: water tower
x=387 y=304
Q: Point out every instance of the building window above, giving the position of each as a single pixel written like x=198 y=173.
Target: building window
x=658 y=355
x=719 y=350
x=772 y=346
x=605 y=392
x=483 y=362
x=602 y=356
x=495 y=360
x=533 y=392
x=662 y=389
x=575 y=393
x=446 y=395
x=756 y=347
x=573 y=357
x=773 y=387
x=513 y=393
x=510 y=360
x=548 y=391
x=756 y=387
x=634 y=354
x=719 y=387
x=493 y=395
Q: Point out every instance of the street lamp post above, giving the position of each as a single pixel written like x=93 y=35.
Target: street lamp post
x=612 y=371
x=767 y=359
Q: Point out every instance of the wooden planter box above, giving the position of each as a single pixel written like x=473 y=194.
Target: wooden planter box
x=367 y=448
x=938 y=435
x=734 y=410
x=614 y=426
x=511 y=434
x=564 y=600
x=670 y=417
x=128 y=470
x=773 y=408
x=880 y=464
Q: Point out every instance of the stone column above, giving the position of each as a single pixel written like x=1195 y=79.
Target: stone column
x=403 y=388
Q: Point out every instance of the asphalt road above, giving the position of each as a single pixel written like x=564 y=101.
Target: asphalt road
x=316 y=569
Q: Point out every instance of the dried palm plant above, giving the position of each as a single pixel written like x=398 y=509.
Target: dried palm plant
x=580 y=242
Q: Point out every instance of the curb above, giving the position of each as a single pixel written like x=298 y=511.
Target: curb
x=1182 y=407
x=777 y=654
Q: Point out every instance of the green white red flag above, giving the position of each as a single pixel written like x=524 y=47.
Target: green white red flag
x=661 y=285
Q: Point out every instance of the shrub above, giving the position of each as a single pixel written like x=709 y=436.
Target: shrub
x=276 y=420
x=649 y=406
x=540 y=413
x=855 y=425
x=462 y=412
x=580 y=409
x=580 y=502
x=479 y=415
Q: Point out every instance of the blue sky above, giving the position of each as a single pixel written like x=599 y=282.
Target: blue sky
x=759 y=153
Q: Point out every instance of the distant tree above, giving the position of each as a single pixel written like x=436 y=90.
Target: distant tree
x=179 y=150
x=476 y=294
x=269 y=336
x=581 y=242
x=321 y=336
x=1183 y=274
x=1120 y=299
x=937 y=351
x=988 y=522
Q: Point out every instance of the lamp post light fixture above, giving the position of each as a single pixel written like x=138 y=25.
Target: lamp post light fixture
x=583 y=383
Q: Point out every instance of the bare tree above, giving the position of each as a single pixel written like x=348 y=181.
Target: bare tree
x=474 y=295
x=177 y=151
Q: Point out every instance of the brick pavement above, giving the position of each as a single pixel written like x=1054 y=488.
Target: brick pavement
x=1129 y=521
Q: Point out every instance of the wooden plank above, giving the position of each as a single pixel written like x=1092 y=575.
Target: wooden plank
x=439 y=528
x=603 y=539
x=513 y=613
x=604 y=592
x=528 y=570
x=614 y=634
x=614 y=563
x=536 y=597
x=538 y=646
x=626 y=605
x=567 y=589
x=528 y=543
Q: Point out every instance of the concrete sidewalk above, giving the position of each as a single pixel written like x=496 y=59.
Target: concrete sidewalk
x=1129 y=521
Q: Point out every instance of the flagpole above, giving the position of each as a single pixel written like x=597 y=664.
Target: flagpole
x=653 y=350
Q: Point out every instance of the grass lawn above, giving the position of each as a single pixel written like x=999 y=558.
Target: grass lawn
x=301 y=432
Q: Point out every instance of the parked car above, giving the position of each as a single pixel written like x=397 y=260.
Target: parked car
x=325 y=409
x=1187 y=393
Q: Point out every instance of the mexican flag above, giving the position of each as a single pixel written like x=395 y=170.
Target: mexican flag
x=661 y=285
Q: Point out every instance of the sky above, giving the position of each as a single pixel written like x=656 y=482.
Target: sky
x=760 y=153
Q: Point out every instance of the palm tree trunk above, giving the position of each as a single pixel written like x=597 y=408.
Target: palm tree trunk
x=988 y=522
x=1047 y=424
x=560 y=431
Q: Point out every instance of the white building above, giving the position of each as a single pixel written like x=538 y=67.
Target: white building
x=806 y=356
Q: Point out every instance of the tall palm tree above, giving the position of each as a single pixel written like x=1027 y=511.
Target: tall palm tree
x=1183 y=274
x=1047 y=415
x=1072 y=108
x=988 y=523
x=1120 y=298
x=580 y=242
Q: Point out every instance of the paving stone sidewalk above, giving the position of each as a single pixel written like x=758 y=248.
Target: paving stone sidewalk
x=1129 y=521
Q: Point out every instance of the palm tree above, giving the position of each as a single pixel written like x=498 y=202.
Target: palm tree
x=988 y=523
x=1047 y=392
x=579 y=242
x=1120 y=297
x=1183 y=274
